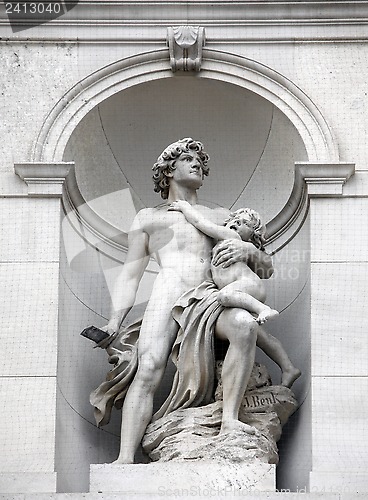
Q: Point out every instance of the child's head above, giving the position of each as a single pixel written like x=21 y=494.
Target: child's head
x=248 y=224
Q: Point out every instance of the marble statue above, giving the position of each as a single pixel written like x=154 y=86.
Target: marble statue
x=197 y=297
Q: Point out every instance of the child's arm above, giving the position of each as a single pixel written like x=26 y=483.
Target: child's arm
x=206 y=226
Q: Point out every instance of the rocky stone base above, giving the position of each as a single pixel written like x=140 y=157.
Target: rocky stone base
x=193 y=433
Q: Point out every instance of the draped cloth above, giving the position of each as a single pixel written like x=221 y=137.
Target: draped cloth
x=196 y=312
x=122 y=352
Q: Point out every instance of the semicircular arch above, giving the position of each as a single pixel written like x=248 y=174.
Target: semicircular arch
x=244 y=72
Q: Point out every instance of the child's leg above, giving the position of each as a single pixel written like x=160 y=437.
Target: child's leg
x=238 y=294
x=274 y=349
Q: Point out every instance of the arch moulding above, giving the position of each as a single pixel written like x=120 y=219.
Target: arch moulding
x=247 y=73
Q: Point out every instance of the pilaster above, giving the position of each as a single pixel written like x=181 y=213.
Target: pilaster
x=338 y=345
x=29 y=272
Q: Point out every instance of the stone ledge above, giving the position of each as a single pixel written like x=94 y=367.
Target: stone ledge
x=324 y=179
x=195 y=478
x=43 y=179
x=252 y=496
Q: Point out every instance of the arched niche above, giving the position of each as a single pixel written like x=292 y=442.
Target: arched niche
x=254 y=123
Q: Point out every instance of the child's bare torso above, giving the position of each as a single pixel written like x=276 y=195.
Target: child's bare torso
x=241 y=273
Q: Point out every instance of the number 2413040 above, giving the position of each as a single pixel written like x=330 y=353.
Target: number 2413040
x=33 y=8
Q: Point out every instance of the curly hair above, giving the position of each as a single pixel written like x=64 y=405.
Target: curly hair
x=166 y=163
x=253 y=220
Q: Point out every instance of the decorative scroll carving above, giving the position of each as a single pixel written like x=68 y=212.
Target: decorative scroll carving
x=185 y=46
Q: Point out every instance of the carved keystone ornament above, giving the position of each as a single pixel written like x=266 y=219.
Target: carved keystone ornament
x=185 y=47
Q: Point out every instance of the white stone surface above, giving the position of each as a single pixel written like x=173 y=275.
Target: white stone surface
x=28 y=316
x=295 y=449
x=255 y=495
x=28 y=482
x=11 y=184
x=200 y=478
x=345 y=483
x=29 y=229
x=245 y=118
x=339 y=339
x=27 y=433
x=27 y=104
x=276 y=164
x=339 y=90
x=338 y=229
x=358 y=185
x=44 y=180
x=292 y=271
x=80 y=369
x=339 y=426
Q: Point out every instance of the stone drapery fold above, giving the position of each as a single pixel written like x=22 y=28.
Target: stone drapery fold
x=196 y=313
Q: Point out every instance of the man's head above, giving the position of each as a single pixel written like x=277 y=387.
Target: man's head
x=165 y=164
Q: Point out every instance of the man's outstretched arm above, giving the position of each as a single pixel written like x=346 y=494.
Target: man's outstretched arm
x=126 y=286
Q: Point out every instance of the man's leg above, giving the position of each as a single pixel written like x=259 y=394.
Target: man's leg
x=239 y=328
x=275 y=350
x=156 y=338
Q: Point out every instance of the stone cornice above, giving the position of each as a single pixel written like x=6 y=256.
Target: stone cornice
x=43 y=179
x=146 y=21
x=325 y=180
x=312 y=180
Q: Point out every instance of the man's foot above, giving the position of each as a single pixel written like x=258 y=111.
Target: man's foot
x=289 y=376
x=236 y=425
x=266 y=314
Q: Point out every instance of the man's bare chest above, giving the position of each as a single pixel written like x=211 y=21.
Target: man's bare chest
x=171 y=230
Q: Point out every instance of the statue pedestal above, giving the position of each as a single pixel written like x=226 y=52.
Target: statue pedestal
x=204 y=478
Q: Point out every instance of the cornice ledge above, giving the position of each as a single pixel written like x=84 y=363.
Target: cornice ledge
x=312 y=180
x=324 y=179
x=126 y=21
x=44 y=180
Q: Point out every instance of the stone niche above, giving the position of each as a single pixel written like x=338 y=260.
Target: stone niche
x=253 y=148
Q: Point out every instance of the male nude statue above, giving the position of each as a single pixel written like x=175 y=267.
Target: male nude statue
x=184 y=256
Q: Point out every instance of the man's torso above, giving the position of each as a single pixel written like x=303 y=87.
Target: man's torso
x=177 y=245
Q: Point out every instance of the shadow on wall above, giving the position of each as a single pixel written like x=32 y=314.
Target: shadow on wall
x=289 y=293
